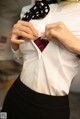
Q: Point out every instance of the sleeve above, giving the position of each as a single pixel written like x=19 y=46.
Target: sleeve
x=16 y=53
x=17 y=56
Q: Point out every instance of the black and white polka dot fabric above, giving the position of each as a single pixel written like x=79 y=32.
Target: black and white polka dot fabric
x=39 y=10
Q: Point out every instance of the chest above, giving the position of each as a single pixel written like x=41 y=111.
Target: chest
x=70 y=18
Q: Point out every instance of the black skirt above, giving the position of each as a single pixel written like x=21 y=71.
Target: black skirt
x=22 y=102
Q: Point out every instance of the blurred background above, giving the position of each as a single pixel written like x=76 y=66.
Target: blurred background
x=9 y=69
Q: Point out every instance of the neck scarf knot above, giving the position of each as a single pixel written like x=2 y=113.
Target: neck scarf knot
x=39 y=10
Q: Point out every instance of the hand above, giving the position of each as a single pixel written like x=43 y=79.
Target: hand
x=57 y=30
x=61 y=33
x=23 y=29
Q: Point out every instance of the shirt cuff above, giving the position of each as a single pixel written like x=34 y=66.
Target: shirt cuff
x=17 y=56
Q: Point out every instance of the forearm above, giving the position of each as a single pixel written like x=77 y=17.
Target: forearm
x=16 y=53
x=73 y=45
x=60 y=32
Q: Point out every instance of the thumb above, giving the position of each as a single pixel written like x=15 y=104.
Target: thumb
x=16 y=40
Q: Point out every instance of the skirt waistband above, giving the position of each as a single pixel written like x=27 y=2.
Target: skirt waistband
x=39 y=98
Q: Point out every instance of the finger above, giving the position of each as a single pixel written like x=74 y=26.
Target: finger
x=43 y=36
x=52 y=34
x=16 y=41
x=49 y=35
x=23 y=34
x=28 y=24
x=24 y=29
x=53 y=25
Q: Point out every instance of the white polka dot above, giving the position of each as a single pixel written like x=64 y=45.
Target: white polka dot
x=35 y=7
x=27 y=16
x=42 y=4
x=46 y=10
x=32 y=16
x=24 y=16
x=37 y=12
x=45 y=6
x=28 y=11
x=37 y=15
x=41 y=11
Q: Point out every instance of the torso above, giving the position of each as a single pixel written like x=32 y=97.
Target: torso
x=52 y=70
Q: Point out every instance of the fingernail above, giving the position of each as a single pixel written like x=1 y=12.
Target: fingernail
x=43 y=36
x=36 y=34
x=22 y=41
x=34 y=38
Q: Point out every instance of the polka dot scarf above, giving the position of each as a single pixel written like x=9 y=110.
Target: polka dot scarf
x=39 y=10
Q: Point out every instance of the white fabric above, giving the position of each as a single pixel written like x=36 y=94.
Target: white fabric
x=51 y=71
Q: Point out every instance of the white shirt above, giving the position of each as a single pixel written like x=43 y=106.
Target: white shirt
x=51 y=71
